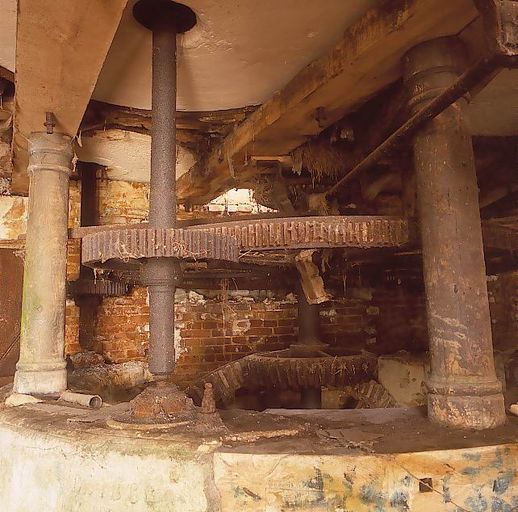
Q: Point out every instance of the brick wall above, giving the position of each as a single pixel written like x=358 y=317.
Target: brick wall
x=122 y=327
x=381 y=320
x=212 y=328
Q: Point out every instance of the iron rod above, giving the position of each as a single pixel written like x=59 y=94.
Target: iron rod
x=308 y=320
x=160 y=272
x=162 y=193
x=459 y=88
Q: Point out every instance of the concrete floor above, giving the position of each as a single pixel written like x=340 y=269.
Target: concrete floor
x=62 y=458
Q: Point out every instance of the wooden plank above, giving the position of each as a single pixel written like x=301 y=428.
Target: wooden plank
x=60 y=50
x=365 y=60
x=6 y=74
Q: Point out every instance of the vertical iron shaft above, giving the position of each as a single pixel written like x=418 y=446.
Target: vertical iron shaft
x=88 y=303
x=160 y=272
x=308 y=340
x=162 y=193
x=308 y=320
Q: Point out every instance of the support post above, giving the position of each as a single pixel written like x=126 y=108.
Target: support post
x=463 y=390
x=41 y=368
x=160 y=273
x=309 y=343
x=165 y=19
x=88 y=304
x=309 y=322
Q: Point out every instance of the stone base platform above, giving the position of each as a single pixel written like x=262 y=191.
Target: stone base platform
x=58 y=458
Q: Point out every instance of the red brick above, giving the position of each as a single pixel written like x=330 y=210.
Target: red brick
x=258 y=331
x=195 y=333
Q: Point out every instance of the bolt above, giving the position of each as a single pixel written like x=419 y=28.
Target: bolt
x=50 y=122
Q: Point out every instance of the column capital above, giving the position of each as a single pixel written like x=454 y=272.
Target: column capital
x=50 y=152
x=431 y=67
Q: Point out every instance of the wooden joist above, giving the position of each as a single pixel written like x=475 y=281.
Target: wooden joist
x=364 y=61
x=60 y=50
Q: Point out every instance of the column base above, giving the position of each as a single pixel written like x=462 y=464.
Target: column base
x=40 y=382
x=467 y=412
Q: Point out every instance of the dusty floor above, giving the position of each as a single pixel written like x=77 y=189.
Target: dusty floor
x=398 y=430
x=278 y=460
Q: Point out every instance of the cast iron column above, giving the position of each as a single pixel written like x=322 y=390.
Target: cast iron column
x=41 y=367
x=88 y=304
x=308 y=343
x=165 y=19
x=463 y=388
x=159 y=273
x=309 y=322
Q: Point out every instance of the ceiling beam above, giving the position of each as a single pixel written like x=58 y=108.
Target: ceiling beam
x=364 y=61
x=60 y=50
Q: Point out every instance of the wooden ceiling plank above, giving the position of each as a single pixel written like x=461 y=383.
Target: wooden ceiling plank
x=60 y=50
x=364 y=61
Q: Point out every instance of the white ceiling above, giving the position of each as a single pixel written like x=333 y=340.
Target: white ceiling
x=239 y=53
x=126 y=155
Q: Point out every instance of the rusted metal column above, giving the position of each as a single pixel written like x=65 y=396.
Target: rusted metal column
x=159 y=273
x=88 y=303
x=41 y=367
x=165 y=19
x=463 y=389
x=309 y=321
x=308 y=343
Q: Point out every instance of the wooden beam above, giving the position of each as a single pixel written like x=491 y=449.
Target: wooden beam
x=6 y=74
x=216 y=123
x=60 y=50
x=198 y=131
x=365 y=60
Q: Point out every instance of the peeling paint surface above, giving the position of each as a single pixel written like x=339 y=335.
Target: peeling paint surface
x=474 y=480
x=127 y=155
x=13 y=217
x=64 y=464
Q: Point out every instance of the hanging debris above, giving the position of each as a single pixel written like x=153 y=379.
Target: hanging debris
x=322 y=159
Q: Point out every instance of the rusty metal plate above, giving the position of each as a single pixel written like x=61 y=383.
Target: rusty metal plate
x=130 y=244
x=316 y=232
